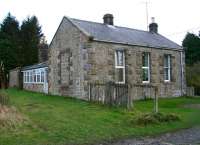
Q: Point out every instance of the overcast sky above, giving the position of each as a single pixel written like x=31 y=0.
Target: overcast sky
x=174 y=17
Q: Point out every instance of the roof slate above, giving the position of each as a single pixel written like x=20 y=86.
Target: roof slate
x=123 y=35
x=35 y=66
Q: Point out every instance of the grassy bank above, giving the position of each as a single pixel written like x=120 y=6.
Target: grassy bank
x=57 y=120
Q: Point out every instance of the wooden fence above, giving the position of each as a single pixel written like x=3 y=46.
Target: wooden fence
x=190 y=91
x=122 y=94
x=146 y=92
x=110 y=93
x=4 y=99
x=143 y=91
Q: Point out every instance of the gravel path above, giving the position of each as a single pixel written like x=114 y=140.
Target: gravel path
x=183 y=137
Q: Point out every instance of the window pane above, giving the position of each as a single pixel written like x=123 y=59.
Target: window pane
x=42 y=76
x=119 y=74
x=166 y=73
x=145 y=59
x=38 y=75
x=166 y=61
x=167 y=67
x=31 y=76
x=27 y=76
x=120 y=57
x=34 y=76
x=145 y=74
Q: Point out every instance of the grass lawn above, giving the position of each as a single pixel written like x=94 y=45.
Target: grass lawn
x=56 y=120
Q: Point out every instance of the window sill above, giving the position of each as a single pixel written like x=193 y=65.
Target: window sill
x=145 y=82
x=39 y=83
x=119 y=82
x=167 y=81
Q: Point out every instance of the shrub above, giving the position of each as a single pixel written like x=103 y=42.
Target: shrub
x=193 y=77
x=146 y=119
x=156 y=118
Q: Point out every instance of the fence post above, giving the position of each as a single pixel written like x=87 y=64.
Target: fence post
x=89 y=92
x=156 y=101
x=129 y=103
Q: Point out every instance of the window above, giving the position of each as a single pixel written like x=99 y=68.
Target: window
x=31 y=76
x=167 y=67
x=38 y=76
x=34 y=76
x=119 y=66
x=42 y=76
x=145 y=67
x=27 y=77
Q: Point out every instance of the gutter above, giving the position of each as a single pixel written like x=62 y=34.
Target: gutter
x=129 y=44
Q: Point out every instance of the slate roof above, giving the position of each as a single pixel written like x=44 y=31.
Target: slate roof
x=35 y=66
x=122 y=35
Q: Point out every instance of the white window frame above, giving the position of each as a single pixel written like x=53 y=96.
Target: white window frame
x=168 y=67
x=146 y=67
x=28 y=76
x=120 y=66
x=34 y=76
x=38 y=76
x=42 y=77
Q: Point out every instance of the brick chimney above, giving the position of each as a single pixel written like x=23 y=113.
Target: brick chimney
x=153 y=27
x=108 y=19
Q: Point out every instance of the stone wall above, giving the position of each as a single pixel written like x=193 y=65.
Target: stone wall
x=14 y=78
x=34 y=87
x=65 y=61
x=101 y=62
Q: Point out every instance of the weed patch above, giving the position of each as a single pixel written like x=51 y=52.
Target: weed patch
x=156 y=118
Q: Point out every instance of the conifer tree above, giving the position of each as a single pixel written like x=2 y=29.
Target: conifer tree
x=192 y=52
x=30 y=35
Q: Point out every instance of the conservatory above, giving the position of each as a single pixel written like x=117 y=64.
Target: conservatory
x=35 y=77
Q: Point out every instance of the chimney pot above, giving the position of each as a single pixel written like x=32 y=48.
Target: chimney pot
x=153 y=27
x=108 y=19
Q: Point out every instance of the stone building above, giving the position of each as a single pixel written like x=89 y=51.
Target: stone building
x=14 y=77
x=83 y=52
